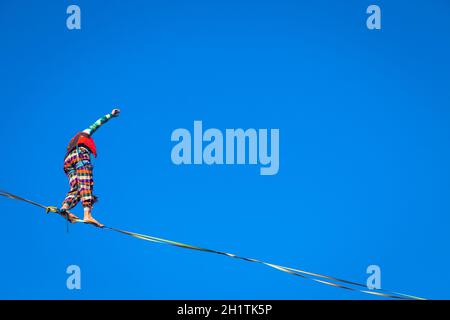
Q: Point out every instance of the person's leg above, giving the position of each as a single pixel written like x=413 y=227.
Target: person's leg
x=73 y=196
x=86 y=183
x=90 y=219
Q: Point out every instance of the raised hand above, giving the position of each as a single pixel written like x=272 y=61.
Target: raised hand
x=115 y=112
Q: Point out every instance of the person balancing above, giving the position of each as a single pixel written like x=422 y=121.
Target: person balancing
x=78 y=168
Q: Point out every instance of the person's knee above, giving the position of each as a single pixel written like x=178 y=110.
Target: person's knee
x=75 y=190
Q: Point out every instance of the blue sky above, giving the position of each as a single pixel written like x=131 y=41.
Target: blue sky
x=364 y=133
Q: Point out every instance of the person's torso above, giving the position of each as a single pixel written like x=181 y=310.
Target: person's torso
x=82 y=139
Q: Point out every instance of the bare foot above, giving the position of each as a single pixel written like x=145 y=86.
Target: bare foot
x=72 y=218
x=68 y=215
x=90 y=220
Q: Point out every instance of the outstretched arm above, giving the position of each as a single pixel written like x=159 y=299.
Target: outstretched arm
x=97 y=124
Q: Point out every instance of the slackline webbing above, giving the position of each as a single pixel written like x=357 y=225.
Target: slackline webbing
x=316 y=277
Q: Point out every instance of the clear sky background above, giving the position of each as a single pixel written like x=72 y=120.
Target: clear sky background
x=364 y=146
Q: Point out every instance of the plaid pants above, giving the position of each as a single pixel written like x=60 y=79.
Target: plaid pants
x=78 y=168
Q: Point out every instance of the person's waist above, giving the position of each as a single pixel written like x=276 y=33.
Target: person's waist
x=80 y=153
x=80 y=149
x=83 y=149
